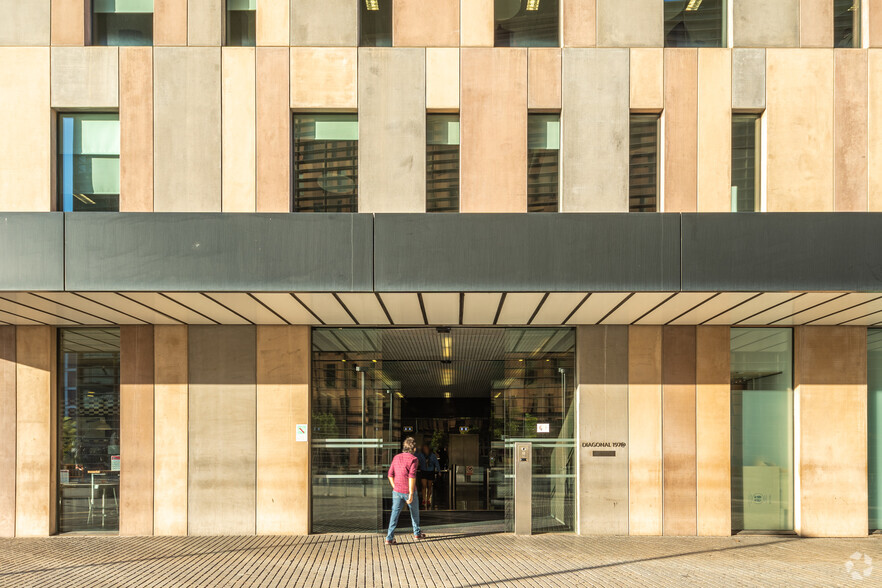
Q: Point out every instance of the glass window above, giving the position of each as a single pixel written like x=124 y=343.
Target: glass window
x=643 y=165
x=695 y=23
x=543 y=155
x=874 y=412
x=846 y=23
x=122 y=22
x=88 y=162
x=527 y=23
x=325 y=163
x=241 y=23
x=762 y=429
x=375 y=23
x=88 y=430
x=442 y=163
x=745 y=162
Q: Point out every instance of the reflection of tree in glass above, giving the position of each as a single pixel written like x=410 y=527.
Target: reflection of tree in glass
x=325 y=425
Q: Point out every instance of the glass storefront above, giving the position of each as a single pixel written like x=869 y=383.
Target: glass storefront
x=874 y=428
x=762 y=429
x=88 y=433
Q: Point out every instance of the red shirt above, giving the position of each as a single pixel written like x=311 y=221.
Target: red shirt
x=404 y=467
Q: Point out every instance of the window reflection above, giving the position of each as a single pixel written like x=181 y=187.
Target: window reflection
x=442 y=163
x=543 y=153
x=375 y=23
x=874 y=411
x=526 y=23
x=88 y=162
x=643 y=168
x=325 y=163
x=241 y=23
x=745 y=162
x=846 y=23
x=695 y=23
x=122 y=22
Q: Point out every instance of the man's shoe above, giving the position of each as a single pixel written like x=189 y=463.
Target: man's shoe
x=420 y=536
x=390 y=541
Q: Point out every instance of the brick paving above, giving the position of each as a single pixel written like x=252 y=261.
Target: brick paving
x=442 y=560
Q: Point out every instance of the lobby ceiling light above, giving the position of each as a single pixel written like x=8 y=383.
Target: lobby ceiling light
x=446 y=375
x=534 y=4
x=693 y=5
x=399 y=395
x=372 y=4
x=447 y=395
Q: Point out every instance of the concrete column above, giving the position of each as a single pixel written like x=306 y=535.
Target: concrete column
x=171 y=395
x=239 y=133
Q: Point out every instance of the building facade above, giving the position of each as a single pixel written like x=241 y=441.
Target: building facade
x=238 y=264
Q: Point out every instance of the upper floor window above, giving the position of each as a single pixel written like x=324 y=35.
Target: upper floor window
x=745 y=162
x=241 y=23
x=325 y=163
x=695 y=23
x=375 y=23
x=527 y=23
x=88 y=162
x=543 y=156
x=643 y=163
x=122 y=22
x=442 y=163
x=846 y=23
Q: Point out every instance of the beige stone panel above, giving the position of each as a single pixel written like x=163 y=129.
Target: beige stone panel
x=749 y=79
x=681 y=130
x=187 y=129
x=647 y=80
x=712 y=431
x=273 y=130
x=874 y=128
x=136 y=430
x=7 y=431
x=324 y=23
x=69 y=22
x=831 y=391
x=239 y=129
x=136 y=129
x=714 y=130
x=169 y=22
x=630 y=23
x=324 y=78
x=442 y=79
x=873 y=28
x=24 y=23
x=205 y=23
x=543 y=78
x=678 y=430
x=476 y=23
x=171 y=440
x=85 y=77
x=274 y=23
x=645 y=496
x=35 y=424
x=851 y=141
x=26 y=141
x=815 y=23
x=759 y=23
x=799 y=130
x=283 y=484
x=417 y=23
x=579 y=23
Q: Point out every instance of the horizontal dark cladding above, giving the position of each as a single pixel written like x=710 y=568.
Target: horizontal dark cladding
x=428 y=252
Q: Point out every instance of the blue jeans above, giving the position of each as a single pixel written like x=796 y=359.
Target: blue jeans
x=399 y=500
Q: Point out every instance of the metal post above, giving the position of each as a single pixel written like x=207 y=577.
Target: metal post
x=523 y=488
x=360 y=370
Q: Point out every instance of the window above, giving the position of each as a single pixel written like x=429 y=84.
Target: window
x=874 y=411
x=846 y=23
x=375 y=23
x=543 y=155
x=442 y=163
x=527 y=23
x=122 y=22
x=325 y=163
x=745 y=160
x=88 y=162
x=695 y=23
x=241 y=23
x=643 y=164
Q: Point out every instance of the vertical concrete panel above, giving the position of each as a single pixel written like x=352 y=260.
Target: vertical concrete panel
x=85 y=77
x=873 y=28
x=169 y=22
x=714 y=130
x=543 y=78
x=417 y=24
x=283 y=482
x=603 y=424
x=712 y=432
x=645 y=495
x=681 y=130
x=442 y=79
x=595 y=130
x=749 y=79
x=136 y=430
x=759 y=23
x=68 y=24
x=647 y=79
x=136 y=129
x=800 y=130
x=187 y=129
x=635 y=23
x=205 y=23
x=24 y=23
x=476 y=23
x=493 y=120
x=815 y=23
x=851 y=141
x=26 y=140
x=35 y=431
x=678 y=430
x=7 y=431
x=324 y=77
x=239 y=131
x=171 y=398
x=874 y=128
x=274 y=23
x=273 y=130
x=324 y=23
x=579 y=23
x=831 y=389
x=222 y=426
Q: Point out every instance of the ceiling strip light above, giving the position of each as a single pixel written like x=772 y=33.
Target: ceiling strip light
x=693 y=5
x=375 y=4
x=534 y=4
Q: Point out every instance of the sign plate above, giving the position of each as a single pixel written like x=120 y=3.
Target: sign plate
x=302 y=433
x=114 y=463
x=543 y=427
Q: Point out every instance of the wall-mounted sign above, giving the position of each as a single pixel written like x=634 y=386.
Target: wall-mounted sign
x=588 y=444
x=302 y=433
x=114 y=463
x=542 y=427
x=64 y=477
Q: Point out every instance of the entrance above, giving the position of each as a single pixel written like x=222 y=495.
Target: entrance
x=468 y=395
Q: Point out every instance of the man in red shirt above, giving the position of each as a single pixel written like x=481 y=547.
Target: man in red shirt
x=402 y=477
